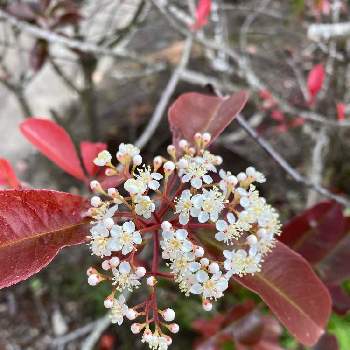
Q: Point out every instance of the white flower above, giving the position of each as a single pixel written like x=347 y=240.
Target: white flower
x=127 y=152
x=184 y=206
x=227 y=182
x=194 y=170
x=100 y=240
x=151 y=180
x=135 y=186
x=255 y=175
x=118 y=310
x=103 y=158
x=240 y=263
x=124 y=277
x=144 y=206
x=175 y=244
x=210 y=287
x=124 y=238
x=156 y=341
x=208 y=205
x=227 y=231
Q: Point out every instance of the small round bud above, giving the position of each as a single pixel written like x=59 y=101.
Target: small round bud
x=169 y=167
x=204 y=262
x=136 y=328
x=168 y=339
x=214 y=268
x=219 y=160
x=207 y=305
x=108 y=302
x=131 y=314
x=192 y=151
x=137 y=160
x=112 y=192
x=110 y=172
x=183 y=144
x=114 y=262
x=103 y=158
x=106 y=265
x=94 y=279
x=232 y=180
x=108 y=222
x=91 y=271
x=168 y=314
x=198 y=137
x=95 y=185
x=250 y=171
x=171 y=150
x=140 y=271
x=241 y=176
x=96 y=201
x=251 y=240
x=173 y=328
x=206 y=138
x=147 y=334
x=199 y=252
x=157 y=162
x=151 y=281
x=166 y=226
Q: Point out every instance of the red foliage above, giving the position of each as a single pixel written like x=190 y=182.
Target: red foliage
x=54 y=142
x=202 y=13
x=194 y=112
x=315 y=81
x=293 y=292
x=7 y=175
x=341 y=111
x=34 y=226
x=321 y=235
x=89 y=151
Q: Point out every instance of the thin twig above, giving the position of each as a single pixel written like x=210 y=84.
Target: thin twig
x=99 y=327
x=286 y=166
x=168 y=92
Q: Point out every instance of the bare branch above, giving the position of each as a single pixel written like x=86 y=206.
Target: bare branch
x=168 y=92
x=328 y=31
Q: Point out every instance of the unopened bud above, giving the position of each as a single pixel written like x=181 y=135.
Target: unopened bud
x=131 y=314
x=136 y=328
x=140 y=271
x=214 y=268
x=207 y=305
x=96 y=186
x=112 y=192
x=168 y=339
x=173 y=328
x=151 y=281
x=199 y=252
x=106 y=265
x=114 y=262
x=241 y=177
x=169 y=167
x=108 y=222
x=137 y=160
x=206 y=138
x=91 y=271
x=110 y=172
x=108 y=302
x=166 y=226
x=183 y=144
x=96 y=201
x=94 y=279
x=168 y=314
x=157 y=162
x=171 y=151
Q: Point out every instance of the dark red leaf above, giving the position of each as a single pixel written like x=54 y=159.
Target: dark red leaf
x=316 y=231
x=202 y=13
x=341 y=299
x=315 y=81
x=89 y=151
x=327 y=342
x=193 y=112
x=54 y=142
x=341 y=111
x=112 y=181
x=69 y=18
x=39 y=54
x=293 y=292
x=34 y=226
x=7 y=175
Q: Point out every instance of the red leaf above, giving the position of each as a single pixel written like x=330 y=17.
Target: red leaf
x=316 y=231
x=34 y=226
x=54 y=142
x=293 y=292
x=202 y=13
x=341 y=111
x=341 y=299
x=89 y=151
x=7 y=175
x=315 y=81
x=194 y=112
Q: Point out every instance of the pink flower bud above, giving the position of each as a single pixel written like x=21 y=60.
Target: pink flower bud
x=140 y=271
x=206 y=138
x=108 y=302
x=96 y=201
x=131 y=314
x=183 y=144
x=91 y=271
x=94 y=279
x=136 y=328
x=168 y=314
x=169 y=167
x=112 y=192
x=173 y=328
x=207 y=305
x=106 y=265
x=151 y=281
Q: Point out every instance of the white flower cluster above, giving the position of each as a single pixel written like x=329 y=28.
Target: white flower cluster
x=172 y=204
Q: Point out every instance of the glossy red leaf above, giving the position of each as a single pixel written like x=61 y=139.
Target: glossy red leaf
x=7 y=175
x=341 y=111
x=316 y=231
x=315 y=81
x=293 y=292
x=34 y=226
x=89 y=151
x=54 y=142
x=203 y=10
x=193 y=112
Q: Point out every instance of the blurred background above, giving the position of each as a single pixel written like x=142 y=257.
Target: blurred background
x=106 y=70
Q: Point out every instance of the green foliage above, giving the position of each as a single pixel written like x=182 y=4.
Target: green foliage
x=340 y=327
